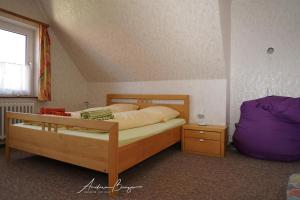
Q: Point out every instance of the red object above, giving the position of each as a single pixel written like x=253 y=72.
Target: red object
x=54 y=111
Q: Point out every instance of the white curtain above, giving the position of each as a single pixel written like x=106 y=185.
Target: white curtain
x=14 y=79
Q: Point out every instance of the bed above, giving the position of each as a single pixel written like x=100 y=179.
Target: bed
x=109 y=155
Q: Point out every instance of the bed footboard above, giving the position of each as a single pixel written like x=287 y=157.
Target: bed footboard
x=86 y=152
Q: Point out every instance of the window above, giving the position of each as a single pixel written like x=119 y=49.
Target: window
x=16 y=60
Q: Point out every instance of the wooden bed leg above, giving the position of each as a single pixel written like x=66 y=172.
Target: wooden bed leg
x=113 y=158
x=112 y=180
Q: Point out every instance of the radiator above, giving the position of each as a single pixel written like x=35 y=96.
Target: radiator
x=15 y=107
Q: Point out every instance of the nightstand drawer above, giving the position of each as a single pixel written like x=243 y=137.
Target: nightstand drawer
x=202 y=134
x=202 y=146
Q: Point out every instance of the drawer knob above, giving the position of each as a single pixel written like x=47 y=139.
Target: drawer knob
x=201 y=140
x=201 y=131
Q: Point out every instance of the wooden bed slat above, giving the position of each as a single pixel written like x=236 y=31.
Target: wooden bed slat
x=67 y=121
x=147 y=96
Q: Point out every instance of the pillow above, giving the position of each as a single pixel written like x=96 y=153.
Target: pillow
x=135 y=118
x=165 y=113
x=122 y=107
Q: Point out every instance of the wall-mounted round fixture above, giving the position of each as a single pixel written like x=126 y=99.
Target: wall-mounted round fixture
x=270 y=50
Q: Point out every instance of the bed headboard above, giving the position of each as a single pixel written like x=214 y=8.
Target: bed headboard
x=178 y=102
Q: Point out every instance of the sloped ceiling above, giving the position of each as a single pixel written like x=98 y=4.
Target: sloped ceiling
x=140 y=40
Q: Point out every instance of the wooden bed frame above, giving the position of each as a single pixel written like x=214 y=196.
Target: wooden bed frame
x=102 y=156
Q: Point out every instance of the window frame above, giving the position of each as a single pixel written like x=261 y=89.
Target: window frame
x=31 y=34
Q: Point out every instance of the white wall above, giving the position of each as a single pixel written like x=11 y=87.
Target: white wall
x=69 y=88
x=204 y=94
x=68 y=85
x=225 y=21
x=257 y=25
x=147 y=40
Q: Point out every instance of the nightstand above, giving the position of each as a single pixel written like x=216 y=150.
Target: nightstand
x=207 y=140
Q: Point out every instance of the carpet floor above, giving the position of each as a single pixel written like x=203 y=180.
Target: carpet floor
x=170 y=174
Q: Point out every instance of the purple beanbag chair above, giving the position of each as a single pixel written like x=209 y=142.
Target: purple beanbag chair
x=269 y=128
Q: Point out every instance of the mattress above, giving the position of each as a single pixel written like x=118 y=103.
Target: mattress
x=125 y=136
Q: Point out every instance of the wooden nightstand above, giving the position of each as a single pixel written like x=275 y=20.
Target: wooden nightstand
x=207 y=140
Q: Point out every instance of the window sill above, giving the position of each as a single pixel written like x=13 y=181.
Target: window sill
x=19 y=97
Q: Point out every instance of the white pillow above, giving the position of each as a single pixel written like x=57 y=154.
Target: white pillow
x=135 y=118
x=122 y=107
x=165 y=113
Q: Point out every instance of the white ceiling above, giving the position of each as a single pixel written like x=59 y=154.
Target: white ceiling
x=140 y=40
